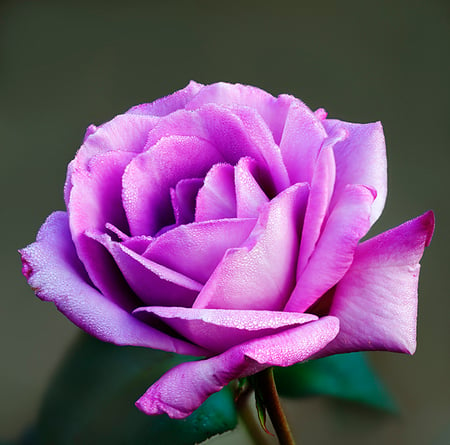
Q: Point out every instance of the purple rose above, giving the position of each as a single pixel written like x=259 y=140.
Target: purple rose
x=223 y=222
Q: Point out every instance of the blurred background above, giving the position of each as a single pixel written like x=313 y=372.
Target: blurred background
x=65 y=65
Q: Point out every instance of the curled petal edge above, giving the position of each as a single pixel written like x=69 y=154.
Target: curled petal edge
x=184 y=388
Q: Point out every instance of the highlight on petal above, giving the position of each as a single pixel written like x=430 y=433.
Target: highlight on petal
x=322 y=187
x=301 y=141
x=217 y=198
x=361 y=159
x=220 y=329
x=261 y=273
x=196 y=249
x=54 y=272
x=347 y=224
x=184 y=388
x=168 y=104
x=376 y=301
x=250 y=197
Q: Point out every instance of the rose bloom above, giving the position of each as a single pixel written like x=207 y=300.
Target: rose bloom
x=223 y=222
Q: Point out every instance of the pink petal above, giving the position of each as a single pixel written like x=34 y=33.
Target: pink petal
x=361 y=159
x=219 y=329
x=95 y=200
x=149 y=177
x=54 y=272
x=217 y=198
x=333 y=255
x=184 y=388
x=183 y=198
x=125 y=132
x=376 y=301
x=272 y=110
x=196 y=249
x=322 y=186
x=170 y=103
x=302 y=138
x=235 y=132
x=249 y=195
x=261 y=273
x=153 y=283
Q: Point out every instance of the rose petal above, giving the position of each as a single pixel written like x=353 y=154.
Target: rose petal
x=261 y=273
x=219 y=329
x=149 y=177
x=54 y=272
x=184 y=388
x=361 y=159
x=273 y=110
x=217 y=198
x=302 y=138
x=376 y=301
x=249 y=195
x=153 y=283
x=170 y=103
x=322 y=186
x=235 y=132
x=196 y=249
x=125 y=132
x=183 y=198
x=333 y=255
x=95 y=200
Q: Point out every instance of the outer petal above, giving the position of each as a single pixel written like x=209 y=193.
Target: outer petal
x=54 y=272
x=153 y=283
x=346 y=225
x=376 y=301
x=220 y=329
x=184 y=388
x=261 y=273
x=361 y=159
x=125 y=132
x=170 y=103
x=149 y=177
x=273 y=110
x=95 y=200
x=196 y=249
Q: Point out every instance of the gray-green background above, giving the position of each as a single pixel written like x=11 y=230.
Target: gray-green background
x=65 y=65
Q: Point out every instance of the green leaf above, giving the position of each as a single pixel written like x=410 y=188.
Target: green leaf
x=91 y=400
x=345 y=376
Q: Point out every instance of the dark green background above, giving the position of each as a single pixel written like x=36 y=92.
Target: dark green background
x=65 y=65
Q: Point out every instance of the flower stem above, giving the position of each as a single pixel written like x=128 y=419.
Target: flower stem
x=268 y=392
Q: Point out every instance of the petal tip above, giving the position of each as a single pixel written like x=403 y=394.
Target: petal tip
x=428 y=221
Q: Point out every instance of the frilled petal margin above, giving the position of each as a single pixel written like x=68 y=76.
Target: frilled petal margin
x=376 y=301
x=54 y=272
x=184 y=388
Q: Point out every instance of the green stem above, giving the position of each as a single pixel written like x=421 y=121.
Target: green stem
x=268 y=392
